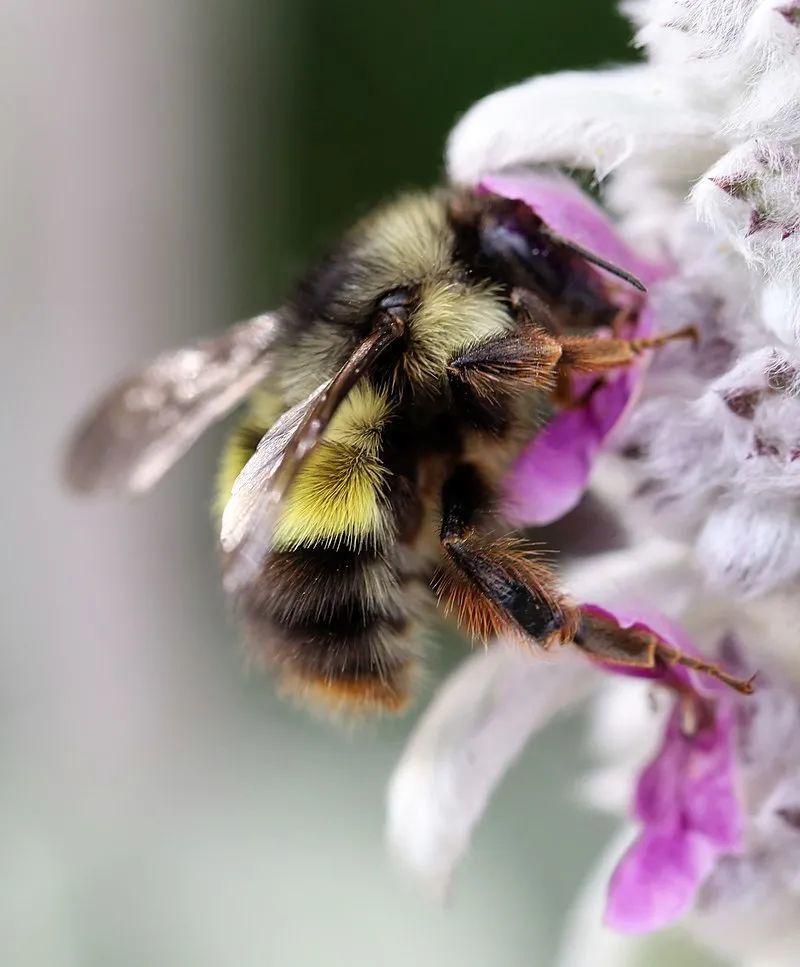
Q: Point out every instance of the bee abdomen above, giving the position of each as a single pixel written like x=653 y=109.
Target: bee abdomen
x=338 y=625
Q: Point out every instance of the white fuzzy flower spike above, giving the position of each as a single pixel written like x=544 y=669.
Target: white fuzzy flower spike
x=751 y=199
x=472 y=732
x=698 y=154
x=627 y=112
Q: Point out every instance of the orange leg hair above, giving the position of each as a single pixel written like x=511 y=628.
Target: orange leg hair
x=495 y=585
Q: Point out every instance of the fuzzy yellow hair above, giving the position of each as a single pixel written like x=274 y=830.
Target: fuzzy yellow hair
x=450 y=317
x=337 y=498
x=407 y=239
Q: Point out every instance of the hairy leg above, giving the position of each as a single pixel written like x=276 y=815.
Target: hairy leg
x=510 y=364
x=500 y=586
x=495 y=585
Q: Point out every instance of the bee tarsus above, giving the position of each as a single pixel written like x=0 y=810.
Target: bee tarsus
x=603 y=638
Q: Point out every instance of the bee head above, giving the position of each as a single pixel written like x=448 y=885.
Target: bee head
x=400 y=259
x=410 y=250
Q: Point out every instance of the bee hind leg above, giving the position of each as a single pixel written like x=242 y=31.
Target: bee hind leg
x=495 y=585
x=605 y=640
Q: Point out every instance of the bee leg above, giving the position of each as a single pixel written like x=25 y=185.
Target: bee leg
x=509 y=364
x=603 y=638
x=588 y=354
x=495 y=585
x=565 y=395
x=531 y=311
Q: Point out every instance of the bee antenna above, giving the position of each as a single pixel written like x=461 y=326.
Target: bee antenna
x=595 y=259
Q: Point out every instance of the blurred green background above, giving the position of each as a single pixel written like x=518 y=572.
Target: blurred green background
x=169 y=168
x=366 y=94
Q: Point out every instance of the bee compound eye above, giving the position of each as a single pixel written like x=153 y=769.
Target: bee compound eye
x=393 y=309
x=399 y=298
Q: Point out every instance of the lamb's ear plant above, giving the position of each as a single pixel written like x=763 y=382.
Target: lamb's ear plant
x=696 y=152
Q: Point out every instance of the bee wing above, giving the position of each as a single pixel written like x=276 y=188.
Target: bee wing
x=249 y=518
x=256 y=487
x=145 y=423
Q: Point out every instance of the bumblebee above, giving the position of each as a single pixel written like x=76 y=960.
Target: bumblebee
x=387 y=399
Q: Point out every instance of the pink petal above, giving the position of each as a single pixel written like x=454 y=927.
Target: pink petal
x=692 y=782
x=711 y=804
x=685 y=798
x=552 y=473
x=695 y=776
x=658 y=797
x=656 y=881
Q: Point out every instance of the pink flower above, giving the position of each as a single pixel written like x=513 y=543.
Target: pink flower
x=687 y=802
x=552 y=473
x=685 y=799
